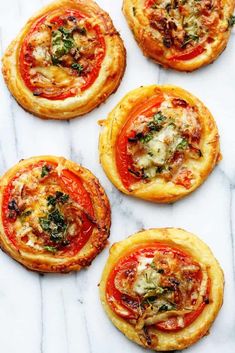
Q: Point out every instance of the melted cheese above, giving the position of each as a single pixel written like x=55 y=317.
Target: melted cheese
x=54 y=74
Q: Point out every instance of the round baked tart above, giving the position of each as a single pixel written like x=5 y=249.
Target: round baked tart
x=179 y=34
x=54 y=214
x=67 y=60
x=162 y=288
x=159 y=143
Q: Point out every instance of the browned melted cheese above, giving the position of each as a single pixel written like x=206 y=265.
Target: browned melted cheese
x=181 y=24
x=163 y=143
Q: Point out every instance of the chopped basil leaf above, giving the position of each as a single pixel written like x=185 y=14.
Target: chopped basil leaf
x=45 y=171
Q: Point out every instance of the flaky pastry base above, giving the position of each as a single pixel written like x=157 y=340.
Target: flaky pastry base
x=144 y=35
x=50 y=262
x=200 y=252
x=108 y=80
x=159 y=190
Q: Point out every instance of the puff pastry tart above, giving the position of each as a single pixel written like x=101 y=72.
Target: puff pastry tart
x=66 y=61
x=183 y=35
x=162 y=288
x=55 y=215
x=159 y=143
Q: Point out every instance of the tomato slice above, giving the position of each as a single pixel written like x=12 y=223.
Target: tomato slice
x=128 y=307
x=70 y=184
x=27 y=61
x=123 y=160
x=198 y=50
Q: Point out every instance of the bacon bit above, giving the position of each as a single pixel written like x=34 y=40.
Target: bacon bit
x=177 y=102
x=184 y=178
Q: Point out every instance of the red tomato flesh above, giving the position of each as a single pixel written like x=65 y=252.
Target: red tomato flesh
x=121 y=307
x=26 y=60
x=124 y=161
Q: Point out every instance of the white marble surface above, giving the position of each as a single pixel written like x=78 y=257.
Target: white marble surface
x=62 y=313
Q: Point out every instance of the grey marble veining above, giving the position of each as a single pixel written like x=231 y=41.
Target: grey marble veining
x=62 y=313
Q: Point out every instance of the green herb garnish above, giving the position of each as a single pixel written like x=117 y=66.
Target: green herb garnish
x=159 y=118
x=231 y=21
x=55 y=225
x=59 y=197
x=78 y=67
x=182 y=145
x=146 y=138
x=167 y=307
x=45 y=171
x=50 y=249
x=62 y=43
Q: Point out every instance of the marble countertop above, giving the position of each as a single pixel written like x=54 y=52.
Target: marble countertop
x=62 y=313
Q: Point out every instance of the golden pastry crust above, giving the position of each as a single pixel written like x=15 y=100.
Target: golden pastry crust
x=34 y=254
x=159 y=189
x=150 y=39
x=107 y=81
x=200 y=252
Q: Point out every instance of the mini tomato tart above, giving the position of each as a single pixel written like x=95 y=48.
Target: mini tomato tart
x=159 y=143
x=179 y=34
x=67 y=60
x=162 y=288
x=54 y=214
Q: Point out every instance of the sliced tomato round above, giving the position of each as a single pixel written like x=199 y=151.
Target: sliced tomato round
x=124 y=161
x=191 y=54
x=127 y=306
x=27 y=61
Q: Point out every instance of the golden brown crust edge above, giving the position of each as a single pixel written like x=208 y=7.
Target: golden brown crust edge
x=201 y=253
x=109 y=78
x=139 y=26
x=95 y=244
x=160 y=192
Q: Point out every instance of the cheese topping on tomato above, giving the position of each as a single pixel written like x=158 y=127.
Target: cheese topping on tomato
x=183 y=25
x=158 y=287
x=159 y=142
x=42 y=211
x=62 y=54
